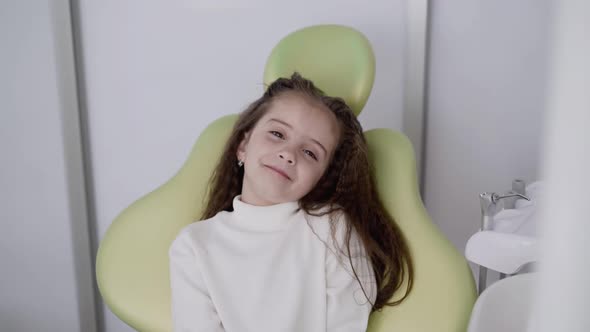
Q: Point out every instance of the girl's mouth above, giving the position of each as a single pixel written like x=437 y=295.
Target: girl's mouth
x=279 y=172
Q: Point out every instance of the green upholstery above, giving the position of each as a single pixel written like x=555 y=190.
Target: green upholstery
x=132 y=262
x=336 y=58
x=444 y=289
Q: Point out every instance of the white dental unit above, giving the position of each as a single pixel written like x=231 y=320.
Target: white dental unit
x=506 y=243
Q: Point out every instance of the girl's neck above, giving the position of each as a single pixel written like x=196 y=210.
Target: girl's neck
x=263 y=218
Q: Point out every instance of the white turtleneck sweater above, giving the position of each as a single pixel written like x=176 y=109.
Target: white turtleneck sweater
x=268 y=268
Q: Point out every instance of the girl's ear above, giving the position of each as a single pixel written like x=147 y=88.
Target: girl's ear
x=241 y=153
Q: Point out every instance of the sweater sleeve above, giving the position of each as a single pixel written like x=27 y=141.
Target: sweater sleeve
x=348 y=307
x=192 y=308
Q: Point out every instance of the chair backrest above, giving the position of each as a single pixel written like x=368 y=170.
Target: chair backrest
x=132 y=262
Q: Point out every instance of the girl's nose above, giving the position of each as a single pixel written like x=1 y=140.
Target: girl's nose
x=288 y=157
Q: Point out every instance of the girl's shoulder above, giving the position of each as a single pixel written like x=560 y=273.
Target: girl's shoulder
x=331 y=224
x=327 y=212
x=198 y=231
x=342 y=241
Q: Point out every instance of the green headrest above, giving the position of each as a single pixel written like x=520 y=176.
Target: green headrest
x=338 y=59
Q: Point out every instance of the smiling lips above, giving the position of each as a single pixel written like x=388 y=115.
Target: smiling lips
x=280 y=172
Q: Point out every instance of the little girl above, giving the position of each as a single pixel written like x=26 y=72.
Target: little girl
x=294 y=237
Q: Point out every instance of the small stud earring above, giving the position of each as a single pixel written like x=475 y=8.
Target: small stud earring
x=240 y=163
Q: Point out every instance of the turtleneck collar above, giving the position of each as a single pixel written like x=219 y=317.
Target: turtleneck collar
x=263 y=218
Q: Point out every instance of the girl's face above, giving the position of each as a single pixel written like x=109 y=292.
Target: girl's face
x=288 y=150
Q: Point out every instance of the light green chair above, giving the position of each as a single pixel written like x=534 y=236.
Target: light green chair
x=132 y=262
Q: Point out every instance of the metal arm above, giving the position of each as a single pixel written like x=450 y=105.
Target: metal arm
x=489 y=208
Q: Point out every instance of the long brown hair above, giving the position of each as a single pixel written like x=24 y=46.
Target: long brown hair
x=347 y=186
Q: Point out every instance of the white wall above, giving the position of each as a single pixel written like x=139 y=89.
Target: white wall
x=37 y=277
x=158 y=72
x=485 y=105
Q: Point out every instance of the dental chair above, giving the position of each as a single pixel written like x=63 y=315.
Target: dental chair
x=132 y=262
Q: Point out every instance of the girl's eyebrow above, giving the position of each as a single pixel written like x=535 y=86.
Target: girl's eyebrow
x=291 y=127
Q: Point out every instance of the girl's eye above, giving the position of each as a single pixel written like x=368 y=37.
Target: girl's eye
x=277 y=134
x=311 y=154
